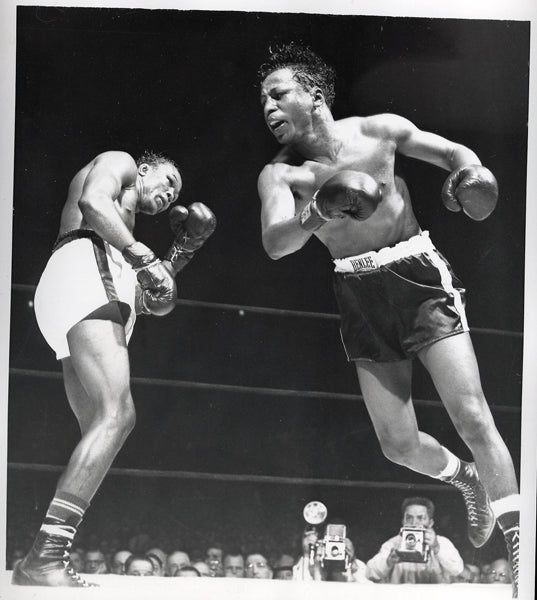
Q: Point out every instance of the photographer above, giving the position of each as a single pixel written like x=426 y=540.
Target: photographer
x=416 y=554
x=311 y=566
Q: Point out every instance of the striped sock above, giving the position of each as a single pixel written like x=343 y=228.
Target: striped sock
x=64 y=514
x=507 y=511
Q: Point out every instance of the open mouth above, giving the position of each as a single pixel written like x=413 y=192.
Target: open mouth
x=275 y=125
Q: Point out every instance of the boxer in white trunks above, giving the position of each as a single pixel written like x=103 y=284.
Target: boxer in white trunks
x=398 y=297
x=98 y=277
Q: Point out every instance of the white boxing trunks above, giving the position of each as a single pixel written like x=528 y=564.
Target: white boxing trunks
x=83 y=274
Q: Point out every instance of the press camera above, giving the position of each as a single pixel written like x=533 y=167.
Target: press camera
x=413 y=547
x=329 y=550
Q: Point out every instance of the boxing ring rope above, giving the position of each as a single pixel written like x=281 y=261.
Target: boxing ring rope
x=244 y=389
x=237 y=389
x=280 y=312
x=241 y=478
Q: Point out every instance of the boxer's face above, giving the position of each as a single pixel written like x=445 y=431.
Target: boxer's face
x=160 y=187
x=287 y=106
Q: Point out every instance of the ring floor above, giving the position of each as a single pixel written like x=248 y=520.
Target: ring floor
x=115 y=587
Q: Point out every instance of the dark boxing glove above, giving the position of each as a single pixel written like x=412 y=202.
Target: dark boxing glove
x=191 y=228
x=345 y=194
x=473 y=189
x=158 y=291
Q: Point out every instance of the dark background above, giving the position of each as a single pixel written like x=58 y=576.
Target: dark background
x=184 y=83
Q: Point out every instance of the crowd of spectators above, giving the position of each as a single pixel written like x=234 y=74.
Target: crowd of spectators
x=289 y=553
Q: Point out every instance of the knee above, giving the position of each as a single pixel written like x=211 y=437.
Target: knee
x=120 y=419
x=475 y=422
x=400 y=451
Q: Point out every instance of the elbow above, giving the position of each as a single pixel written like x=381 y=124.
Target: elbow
x=86 y=206
x=273 y=250
x=274 y=255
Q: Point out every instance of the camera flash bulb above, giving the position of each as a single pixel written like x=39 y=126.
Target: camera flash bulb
x=315 y=512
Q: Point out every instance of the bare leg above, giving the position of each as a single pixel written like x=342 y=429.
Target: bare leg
x=96 y=380
x=386 y=388
x=452 y=365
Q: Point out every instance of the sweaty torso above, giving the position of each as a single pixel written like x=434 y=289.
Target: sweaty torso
x=72 y=217
x=360 y=150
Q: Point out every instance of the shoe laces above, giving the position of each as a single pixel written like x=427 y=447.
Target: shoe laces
x=513 y=536
x=75 y=576
x=470 y=500
x=69 y=569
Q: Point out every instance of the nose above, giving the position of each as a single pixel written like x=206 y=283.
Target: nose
x=269 y=106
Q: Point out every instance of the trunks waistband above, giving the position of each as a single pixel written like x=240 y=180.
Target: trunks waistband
x=371 y=261
x=74 y=234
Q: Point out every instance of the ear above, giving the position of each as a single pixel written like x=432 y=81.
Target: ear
x=318 y=97
x=143 y=169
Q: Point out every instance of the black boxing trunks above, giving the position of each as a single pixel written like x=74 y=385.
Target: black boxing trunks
x=398 y=300
x=84 y=274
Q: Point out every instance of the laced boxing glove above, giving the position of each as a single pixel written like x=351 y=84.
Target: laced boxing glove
x=472 y=189
x=158 y=291
x=346 y=194
x=191 y=228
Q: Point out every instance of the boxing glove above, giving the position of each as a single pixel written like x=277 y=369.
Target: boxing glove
x=346 y=194
x=158 y=291
x=472 y=189
x=191 y=228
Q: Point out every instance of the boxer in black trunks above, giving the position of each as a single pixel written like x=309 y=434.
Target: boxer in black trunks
x=397 y=295
x=98 y=276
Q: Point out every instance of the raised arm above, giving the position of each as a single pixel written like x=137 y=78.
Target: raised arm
x=423 y=145
x=470 y=187
x=281 y=230
x=110 y=173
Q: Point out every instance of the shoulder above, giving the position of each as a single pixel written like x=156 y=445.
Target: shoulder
x=274 y=173
x=391 y=542
x=116 y=159
x=387 y=125
x=444 y=540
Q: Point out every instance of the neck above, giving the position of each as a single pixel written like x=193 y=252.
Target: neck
x=138 y=193
x=321 y=141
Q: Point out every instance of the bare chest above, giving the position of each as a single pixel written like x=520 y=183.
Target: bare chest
x=367 y=155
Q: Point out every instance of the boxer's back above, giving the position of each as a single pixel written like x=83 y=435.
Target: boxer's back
x=72 y=217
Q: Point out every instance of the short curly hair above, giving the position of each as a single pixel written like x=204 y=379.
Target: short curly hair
x=420 y=501
x=308 y=69
x=154 y=159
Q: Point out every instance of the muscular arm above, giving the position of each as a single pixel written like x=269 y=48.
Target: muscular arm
x=110 y=173
x=423 y=145
x=281 y=231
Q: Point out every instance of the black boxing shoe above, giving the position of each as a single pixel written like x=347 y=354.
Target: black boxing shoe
x=512 y=541
x=47 y=564
x=481 y=519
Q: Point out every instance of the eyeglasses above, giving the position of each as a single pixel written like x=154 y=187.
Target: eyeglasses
x=259 y=565
x=500 y=575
